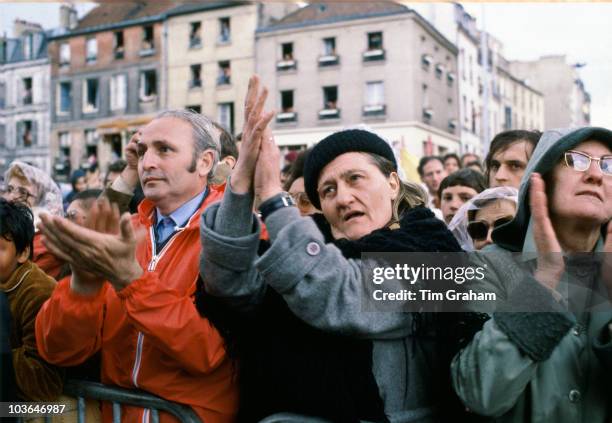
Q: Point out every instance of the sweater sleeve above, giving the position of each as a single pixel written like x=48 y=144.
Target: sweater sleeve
x=69 y=325
x=36 y=379
x=172 y=322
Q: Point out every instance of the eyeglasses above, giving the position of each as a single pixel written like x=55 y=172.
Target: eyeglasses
x=301 y=200
x=18 y=192
x=479 y=230
x=582 y=162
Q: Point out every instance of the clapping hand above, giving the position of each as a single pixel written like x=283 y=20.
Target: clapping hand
x=104 y=249
x=255 y=122
x=550 y=260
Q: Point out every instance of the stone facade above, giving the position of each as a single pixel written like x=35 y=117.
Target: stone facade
x=349 y=64
x=24 y=100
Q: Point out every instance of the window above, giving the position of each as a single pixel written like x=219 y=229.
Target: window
x=118 y=92
x=329 y=56
x=195 y=36
x=2 y=95
x=2 y=135
x=507 y=118
x=287 y=61
x=375 y=41
x=90 y=96
x=450 y=79
x=287 y=113
x=225 y=73
x=64 y=54
x=473 y=117
x=194 y=108
x=226 y=116
x=287 y=51
x=439 y=71
x=64 y=154
x=91 y=47
x=148 y=45
x=26 y=133
x=375 y=47
x=118 y=45
x=64 y=97
x=287 y=101
x=374 y=98
x=28 y=46
x=426 y=60
x=196 y=76
x=91 y=143
x=330 y=103
x=26 y=93
x=224 y=30
x=148 y=85
x=329 y=46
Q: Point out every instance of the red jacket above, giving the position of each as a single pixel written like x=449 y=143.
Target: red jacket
x=150 y=332
x=47 y=262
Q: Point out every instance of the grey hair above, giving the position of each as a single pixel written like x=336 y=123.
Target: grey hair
x=205 y=135
x=410 y=194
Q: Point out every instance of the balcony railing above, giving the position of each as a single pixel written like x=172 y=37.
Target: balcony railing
x=285 y=65
x=374 y=55
x=329 y=60
x=329 y=114
x=374 y=110
x=285 y=117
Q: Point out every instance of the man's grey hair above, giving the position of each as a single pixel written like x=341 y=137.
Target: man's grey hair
x=205 y=135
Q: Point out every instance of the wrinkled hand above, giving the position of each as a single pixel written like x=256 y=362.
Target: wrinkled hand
x=103 y=250
x=267 y=172
x=550 y=260
x=255 y=121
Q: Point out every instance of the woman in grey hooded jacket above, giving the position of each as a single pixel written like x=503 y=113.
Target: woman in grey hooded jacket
x=546 y=355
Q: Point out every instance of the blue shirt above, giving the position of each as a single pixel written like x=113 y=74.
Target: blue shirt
x=166 y=225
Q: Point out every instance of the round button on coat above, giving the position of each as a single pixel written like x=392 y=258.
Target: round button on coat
x=313 y=248
x=574 y=395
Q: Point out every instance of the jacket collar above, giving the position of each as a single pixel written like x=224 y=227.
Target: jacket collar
x=17 y=277
x=146 y=209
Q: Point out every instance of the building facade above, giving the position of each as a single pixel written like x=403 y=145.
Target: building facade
x=105 y=82
x=566 y=101
x=336 y=65
x=24 y=100
x=212 y=56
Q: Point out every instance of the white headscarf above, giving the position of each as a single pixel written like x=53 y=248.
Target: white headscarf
x=458 y=226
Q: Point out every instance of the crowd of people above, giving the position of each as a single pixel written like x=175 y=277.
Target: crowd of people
x=198 y=272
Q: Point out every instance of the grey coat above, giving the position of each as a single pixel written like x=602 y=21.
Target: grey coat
x=320 y=286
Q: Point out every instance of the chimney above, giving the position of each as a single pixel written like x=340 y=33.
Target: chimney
x=68 y=16
x=20 y=27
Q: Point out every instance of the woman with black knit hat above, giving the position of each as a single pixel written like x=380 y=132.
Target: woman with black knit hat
x=313 y=351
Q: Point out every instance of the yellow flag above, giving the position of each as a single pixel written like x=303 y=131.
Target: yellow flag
x=409 y=163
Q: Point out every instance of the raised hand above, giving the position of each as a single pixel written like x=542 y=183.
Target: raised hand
x=267 y=173
x=103 y=250
x=130 y=173
x=550 y=259
x=255 y=121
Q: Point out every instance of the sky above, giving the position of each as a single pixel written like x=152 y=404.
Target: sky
x=582 y=31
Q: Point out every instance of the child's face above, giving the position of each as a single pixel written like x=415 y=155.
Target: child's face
x=9 y=259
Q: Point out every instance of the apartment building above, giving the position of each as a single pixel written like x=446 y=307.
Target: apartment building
x=212 y=55
x=24 y=105
x=519 y=106
x=334 y=65
x=105 y=80
x=566 y=101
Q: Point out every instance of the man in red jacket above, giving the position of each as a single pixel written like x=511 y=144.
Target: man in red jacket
x=131 y=296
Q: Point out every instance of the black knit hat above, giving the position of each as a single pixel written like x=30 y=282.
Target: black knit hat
x=352 y=140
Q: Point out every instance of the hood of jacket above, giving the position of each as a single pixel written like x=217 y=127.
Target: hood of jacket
x=548 y=152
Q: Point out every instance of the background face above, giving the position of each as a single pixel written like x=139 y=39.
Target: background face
x=433 y=174
x=508 y=166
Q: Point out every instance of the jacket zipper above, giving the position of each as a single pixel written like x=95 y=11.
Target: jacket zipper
x=152 y=265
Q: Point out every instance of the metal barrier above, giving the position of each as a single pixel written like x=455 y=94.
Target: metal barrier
x=117 y=396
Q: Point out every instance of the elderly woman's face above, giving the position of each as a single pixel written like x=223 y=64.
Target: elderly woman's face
x=356 y=198
x=20 y=190
x=587 y=195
